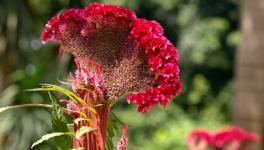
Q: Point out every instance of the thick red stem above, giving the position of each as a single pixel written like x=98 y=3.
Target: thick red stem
x=94 y=140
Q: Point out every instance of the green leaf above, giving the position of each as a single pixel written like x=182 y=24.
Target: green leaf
x=6 y=108
x=79 y=148
x=83 y=130
x=114 y=125
x=3 y=109
x=69 y=94
x=48 y=136
x=59 y=123
x=70 y=127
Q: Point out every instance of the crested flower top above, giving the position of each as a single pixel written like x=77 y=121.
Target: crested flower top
x=222 y=137
x=132 y=52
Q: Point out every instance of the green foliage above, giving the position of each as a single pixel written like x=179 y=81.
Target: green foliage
x=49 y=136
x=3 y=109
x=114 y=126
x=199 y=90
x=73 y=97
x=82 y=130
x=168 y=128
x=79 y=148
x=59 y=123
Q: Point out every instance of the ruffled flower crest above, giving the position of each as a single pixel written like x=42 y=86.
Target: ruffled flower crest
x=133 y=53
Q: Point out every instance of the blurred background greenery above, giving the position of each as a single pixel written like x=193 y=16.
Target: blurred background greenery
x=205 y=32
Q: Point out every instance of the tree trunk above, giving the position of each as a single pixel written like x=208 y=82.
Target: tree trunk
x=248 y=107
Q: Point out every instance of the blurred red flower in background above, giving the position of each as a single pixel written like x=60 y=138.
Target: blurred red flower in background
x=222 y=139
x=233 y=134
x=123 y=141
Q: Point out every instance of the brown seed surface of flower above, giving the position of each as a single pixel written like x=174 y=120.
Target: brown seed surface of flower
x=124 y=65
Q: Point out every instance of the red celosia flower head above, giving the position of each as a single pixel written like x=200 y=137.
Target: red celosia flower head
x=132 y=52
x=123 y=141
x=200 y=134
x=232 y=134
x=221 y=138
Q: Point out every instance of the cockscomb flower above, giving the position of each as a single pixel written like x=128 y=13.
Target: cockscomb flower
x=221 y=139
x=123 y=141
x=85 y=80
x=233 y=134
x=198 y=135
x=133 y=53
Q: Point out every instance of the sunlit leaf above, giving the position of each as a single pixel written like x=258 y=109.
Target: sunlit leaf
x=3 y=109
x=83 y=130
x=59 y=124
x=78 y=112
x=49 y=136
x=6 y=108
x=70 y=127
x=69 y=94
x=76 y=121
x=62 y=82
x=79 y=148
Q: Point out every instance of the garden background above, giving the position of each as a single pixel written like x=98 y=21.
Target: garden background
x=222 y=70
